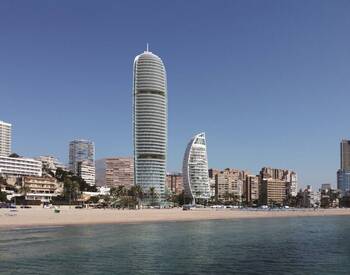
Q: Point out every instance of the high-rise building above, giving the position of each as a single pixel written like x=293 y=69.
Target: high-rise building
x=251 y=189
x=150 y=122
x=87 y=172
x=174 y=182
x=272 y=191
x=115 y=171
x=345 y=155
x=343 y=174
x=5 y=139
x=82 y=159
x=195 y=170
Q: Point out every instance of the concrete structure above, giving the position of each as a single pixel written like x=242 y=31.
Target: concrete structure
x=115 y=171
x=251 y=189
x=86 y=171
x=309 y=198
x=343 y=174
x=5 y=139
x=81 y=150
x=195 y=170
x=51 y=163
x=150 y=122
x=18 y=167
x=42 y=188
x=272 y=191
x=229 y=185
x=174 y=182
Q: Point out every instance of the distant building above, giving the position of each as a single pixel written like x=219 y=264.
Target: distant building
x=251 y=189
x=51 y=163
x=115 y=171
x=195 y=170
x=86 y=171
x=343 y=174
x=18 y=167
x=229 y=185
x=82 y=159
x=174 y=183
x=309 y=198
x=272 y=191
x=80 y=150
x=42 y=189
x=5 y=139
x=329 y=197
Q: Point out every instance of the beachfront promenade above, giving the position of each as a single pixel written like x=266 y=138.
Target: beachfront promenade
x=38 y=216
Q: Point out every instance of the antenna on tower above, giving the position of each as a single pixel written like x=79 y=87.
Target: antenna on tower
x=147 y=48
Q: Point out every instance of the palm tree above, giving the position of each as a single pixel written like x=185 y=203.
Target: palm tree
x=152 y=193
x=71 y=189
x=23 y=190
x=137 y=192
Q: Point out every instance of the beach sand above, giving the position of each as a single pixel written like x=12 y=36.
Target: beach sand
x=38 y=216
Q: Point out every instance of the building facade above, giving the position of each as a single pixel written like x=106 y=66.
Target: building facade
x=87 y=172
x=343 y=174
x=195 y=170
x=119 y=171
x=82 y=159
x=51 y=163
x=251 y=189
x=5 y=139
x=272 y=191
x=150 y=122
x=229 y=185
x=18 y=167
x=174 y=182
x=80 y=150
x=42 y=189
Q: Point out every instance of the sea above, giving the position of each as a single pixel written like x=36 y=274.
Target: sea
x=302 y=245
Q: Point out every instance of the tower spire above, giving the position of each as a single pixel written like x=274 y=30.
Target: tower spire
x=147 y=49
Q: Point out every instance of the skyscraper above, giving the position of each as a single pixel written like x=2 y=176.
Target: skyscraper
x=345 y=155
x=82 y=159
x=5 y=139
x=195 y=170
x=150 y=122
x=343 y=174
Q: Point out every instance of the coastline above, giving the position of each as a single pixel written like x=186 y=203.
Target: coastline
x=37 y=216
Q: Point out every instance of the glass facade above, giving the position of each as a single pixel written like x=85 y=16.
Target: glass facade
x=150 y=122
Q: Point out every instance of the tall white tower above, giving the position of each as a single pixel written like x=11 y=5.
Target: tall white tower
x=5 y=139
x=150 y=122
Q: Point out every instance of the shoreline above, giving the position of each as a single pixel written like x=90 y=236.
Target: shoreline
x=38 y=217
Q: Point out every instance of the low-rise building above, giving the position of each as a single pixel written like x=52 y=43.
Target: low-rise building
x=19 y=166
x=42 y=189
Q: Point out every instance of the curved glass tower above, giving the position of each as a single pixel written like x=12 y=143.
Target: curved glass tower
x=195 y=170
x=150 y=122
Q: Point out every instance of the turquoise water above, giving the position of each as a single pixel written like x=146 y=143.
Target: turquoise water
x=318 y=245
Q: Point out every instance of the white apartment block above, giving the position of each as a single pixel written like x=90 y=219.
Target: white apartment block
x=19 y=167
x=87 y=172
x=5 y=139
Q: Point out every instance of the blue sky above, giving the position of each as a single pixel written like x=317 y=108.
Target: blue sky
x=268 y=81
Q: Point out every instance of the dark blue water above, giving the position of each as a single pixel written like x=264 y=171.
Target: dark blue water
x=318 y=245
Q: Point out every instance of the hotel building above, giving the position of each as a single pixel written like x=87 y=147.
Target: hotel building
x=5 y=139
x=18 y=167
x=87 y=172
x=195 y=170
x=150 y=122
x=42 y=188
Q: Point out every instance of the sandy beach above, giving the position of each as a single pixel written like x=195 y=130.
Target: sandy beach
x=38 y=216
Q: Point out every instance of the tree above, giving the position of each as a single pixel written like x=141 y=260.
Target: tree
x=137 y=192
x=3 y=181
x=3 y=197
x=14 y=155
x=152 y=193
x=71 y=190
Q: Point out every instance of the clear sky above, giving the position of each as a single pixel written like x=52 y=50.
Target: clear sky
x=268 y=81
